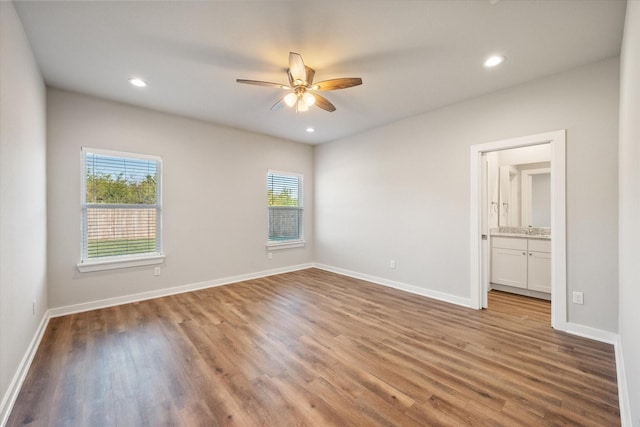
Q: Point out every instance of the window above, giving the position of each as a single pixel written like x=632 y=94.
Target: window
x=121 y=210
x=284 y=199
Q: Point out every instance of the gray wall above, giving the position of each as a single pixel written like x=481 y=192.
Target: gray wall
x=630 y=206
x=23 y=216
x=402 y=191
x=214 y=196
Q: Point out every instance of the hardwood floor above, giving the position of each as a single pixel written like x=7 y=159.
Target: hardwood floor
x=313 y=348
x=523 y=307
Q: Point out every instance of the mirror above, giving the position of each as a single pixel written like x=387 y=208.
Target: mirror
x=536 y=197
x=519 y=187
x=525 y=195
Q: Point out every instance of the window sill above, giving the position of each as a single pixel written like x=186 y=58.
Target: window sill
x=276 y=246
x=112 y=264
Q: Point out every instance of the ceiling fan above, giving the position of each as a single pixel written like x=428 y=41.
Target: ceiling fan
x=301 y=83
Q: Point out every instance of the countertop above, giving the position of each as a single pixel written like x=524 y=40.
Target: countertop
x=542 y=233
x=522 y=235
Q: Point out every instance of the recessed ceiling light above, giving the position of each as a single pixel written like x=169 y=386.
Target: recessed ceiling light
x=137 y=82
x=494 y=60
x=310 y=129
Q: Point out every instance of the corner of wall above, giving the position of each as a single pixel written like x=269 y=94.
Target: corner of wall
x=11 y=395
x=23 y=207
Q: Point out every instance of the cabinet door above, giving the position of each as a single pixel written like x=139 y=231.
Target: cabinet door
x=539 y=275
x=509 y=267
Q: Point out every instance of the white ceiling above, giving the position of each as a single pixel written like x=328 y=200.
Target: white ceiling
x=413 y=56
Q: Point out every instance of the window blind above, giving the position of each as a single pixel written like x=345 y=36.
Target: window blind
x=121 y=206
x=284 y=198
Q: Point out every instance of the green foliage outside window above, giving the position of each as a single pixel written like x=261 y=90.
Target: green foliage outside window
x=283 y=198
x=105 y=188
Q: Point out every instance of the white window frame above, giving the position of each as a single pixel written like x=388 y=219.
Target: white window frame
x=293 y=243
x=122 y=261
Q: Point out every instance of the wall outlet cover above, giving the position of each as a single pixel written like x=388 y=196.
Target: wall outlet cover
x=578 y=298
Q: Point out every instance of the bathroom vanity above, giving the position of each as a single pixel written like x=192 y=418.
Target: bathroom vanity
x=521 y=261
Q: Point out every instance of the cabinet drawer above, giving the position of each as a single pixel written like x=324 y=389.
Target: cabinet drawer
x=539 y=245
x=509 y=243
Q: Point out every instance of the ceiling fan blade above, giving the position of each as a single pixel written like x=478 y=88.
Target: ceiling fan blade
x=297 y=70
x=335 y=84
x=323 y=103
x=260 y=83
x=310 y=73
x=278 y=105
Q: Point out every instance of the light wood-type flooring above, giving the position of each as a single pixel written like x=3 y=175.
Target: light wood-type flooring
x=522 y=307
x=318 y=349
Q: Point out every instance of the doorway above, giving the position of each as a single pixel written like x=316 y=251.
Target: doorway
x=479 y=246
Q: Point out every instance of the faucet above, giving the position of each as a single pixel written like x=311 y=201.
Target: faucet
x=530 y=230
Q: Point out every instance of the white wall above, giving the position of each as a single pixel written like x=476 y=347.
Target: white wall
x=525 y=155
x=630 y=206
x=214 y=196
x=402 y=191
x=23 y=220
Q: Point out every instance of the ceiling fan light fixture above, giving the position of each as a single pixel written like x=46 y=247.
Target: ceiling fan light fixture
x=291 y=99
x=309 y=99
x=301 y=106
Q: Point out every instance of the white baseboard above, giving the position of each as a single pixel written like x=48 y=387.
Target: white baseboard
x=441 y=296
x=623 y=391
x=609 y=338
x=110 y=302
x=571 y=328
x=21 y=373
x=591 y=333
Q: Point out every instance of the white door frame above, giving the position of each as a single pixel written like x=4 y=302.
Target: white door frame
x=557 y=140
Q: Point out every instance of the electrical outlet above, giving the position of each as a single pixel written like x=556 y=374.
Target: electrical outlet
x=33 y=308
x=392 y=264
x=156 y=271
x=578 y=298
x=269 y=255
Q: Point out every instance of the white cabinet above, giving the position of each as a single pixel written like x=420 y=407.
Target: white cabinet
x=539 y=265
x=509 y=262
x=521 y=263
